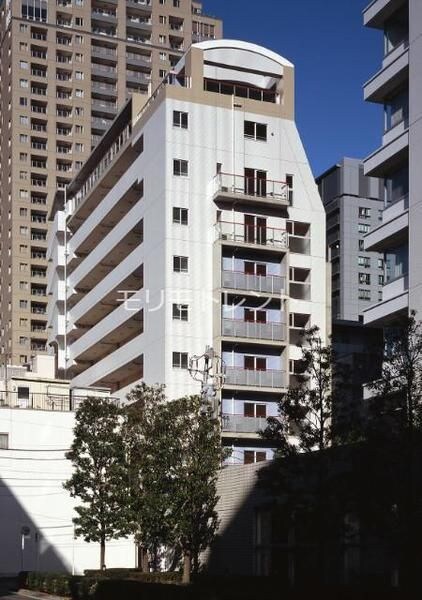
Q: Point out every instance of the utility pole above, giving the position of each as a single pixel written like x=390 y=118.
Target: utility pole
x=210 y=370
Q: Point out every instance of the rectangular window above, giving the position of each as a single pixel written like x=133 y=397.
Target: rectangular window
x=381 y=279
x=363 y=228
x=252 y=456
x=4 y=441
x=255 y=131
x=361 y=245
x=180 y=167
x=180 y=312
x=365 y=278
x=180 y=215
x=180 y=119
x=364 y=294
x=180 y=360
x=380 y=263
x=180 y=264
x=364 y=261
x=364 y=213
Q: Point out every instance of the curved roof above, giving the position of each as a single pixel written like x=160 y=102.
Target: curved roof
x=245 y=46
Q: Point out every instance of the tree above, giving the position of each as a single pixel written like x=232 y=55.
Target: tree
x=175 y=457
x=302 y=433
x=395 y=432
x=100 y=473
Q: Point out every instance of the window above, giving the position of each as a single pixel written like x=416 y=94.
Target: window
x=79 y=39
x=163 y=19
x=364 y=213
x=79 y=147
x=23 y=340
x=180 y=312
x=79 y=93
x=79 y=21
x=162 y=39
x=380 y=263
x=180 y=215
x=23 y=64
x=361 y=245
x=180 y=119
x=289 y=183
x=364 y=294
x=23 y=303
x=180 y=360
x=256 y=131
x=252 y=456
x=23 y=83
x=176 y=3
x=381 y=279
x=23 y=120
x=180 y=264
x=162 y=1
x=79 y=75
x=162 y=73
x=79 y=128
x=23 y=138
x=251 y=409
x=163 y=56
x=23 y=46
x=365 y=278
x=180 y=167
x=363 y=228
x=364 y=261
x=4 y=441
x=23 y=101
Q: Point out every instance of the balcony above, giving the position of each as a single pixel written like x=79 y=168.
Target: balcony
x=378 y=11
x=102 y=14
x=390 y=234
x=138 y=77
x=104 y=71
x=138 y=60
x=242 y=424
x=104 y=107
x=236 y=328
x=104 y=52
x=241 y=91
x=35 y=401
x=395 y=302
x=249 y=235
x=268 y=284
x=236 y=376
x=388 y=158
x=251 y=190
x=106 y=89
x=140 y=5
x=139 y=23
x=102 y=124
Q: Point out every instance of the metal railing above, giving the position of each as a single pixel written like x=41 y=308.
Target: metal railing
x=230 y=183
x=242 y=424
x=275 y=332
x=269 y=378
x=252 y=234
x=49 y=402
x=241 y=91
x=238 y=280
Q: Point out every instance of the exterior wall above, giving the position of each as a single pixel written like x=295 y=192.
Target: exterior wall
x=88 y=71
x=32 y=473
x=111 y=346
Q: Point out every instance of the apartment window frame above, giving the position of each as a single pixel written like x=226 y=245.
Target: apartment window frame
x=252 y=130
x=180 y=312
x=180 y=264
x=180 y=119
x=180 y=215
x=180 y=167
x=180 y=360
x=4 y=440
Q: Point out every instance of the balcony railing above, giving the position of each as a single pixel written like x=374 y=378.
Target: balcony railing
x=251 y=234
x=241 y=91
x=239 y=376
x=228 y=183
x=50 y=402
x=275 y=332
x=242 y=424
x=238 y=280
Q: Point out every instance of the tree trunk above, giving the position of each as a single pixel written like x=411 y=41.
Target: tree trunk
x=186 y=567
x=102 y=554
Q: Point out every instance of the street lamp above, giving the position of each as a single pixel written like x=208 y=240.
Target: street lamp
x=210 y=370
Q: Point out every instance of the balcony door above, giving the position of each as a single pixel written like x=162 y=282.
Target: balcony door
x=255 y=182
x=255 y=363
x=255 y=230
x=251 y=268
x=251 y=409
x=254 y=316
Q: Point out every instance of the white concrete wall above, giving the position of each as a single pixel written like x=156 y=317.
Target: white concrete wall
x=31 y=494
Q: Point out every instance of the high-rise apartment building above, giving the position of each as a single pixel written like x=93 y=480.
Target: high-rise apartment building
x=195 y=222
x=396 y=86
x=67 y=66
x=353 y=203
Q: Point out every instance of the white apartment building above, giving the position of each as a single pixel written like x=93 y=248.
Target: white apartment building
x=196 y=221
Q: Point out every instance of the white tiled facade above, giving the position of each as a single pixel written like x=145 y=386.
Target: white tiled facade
x=219 y=144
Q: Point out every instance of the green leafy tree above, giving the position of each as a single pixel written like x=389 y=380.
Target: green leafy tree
x=175 y=457
x=99 y=479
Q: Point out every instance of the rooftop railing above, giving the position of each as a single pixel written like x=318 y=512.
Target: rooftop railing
x=49 y=402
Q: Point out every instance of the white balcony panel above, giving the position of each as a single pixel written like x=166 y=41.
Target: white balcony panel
x=237 y=280
x=383 y=236
x=106 y=245
x=112 y=321
x=396 y=209
x=387 y=309
x=262 y=379
x=241 y=424
x=386 y=157
x=114 y=361
x=393 y=73
x=273 y=332
x=393 y=133
x=106 y=285
x=56 y=232
x=123 y=185
x=375 y=14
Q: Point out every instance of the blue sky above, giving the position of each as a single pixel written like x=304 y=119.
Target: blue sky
x=333 y=54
